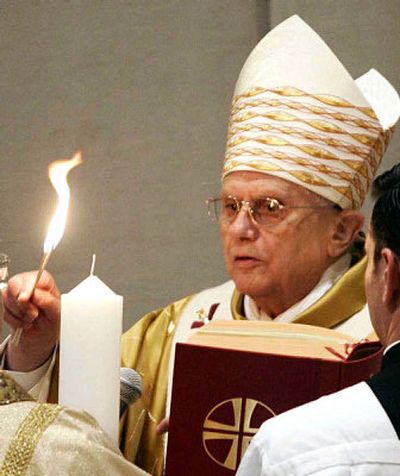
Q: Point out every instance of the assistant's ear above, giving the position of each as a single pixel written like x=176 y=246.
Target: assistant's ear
x=344 y=230
x=390 y=267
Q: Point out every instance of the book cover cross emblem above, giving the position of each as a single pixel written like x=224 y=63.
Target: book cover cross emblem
x=229 y=427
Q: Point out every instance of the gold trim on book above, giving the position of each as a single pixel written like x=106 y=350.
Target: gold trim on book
x=273 y=334
x=23 y=445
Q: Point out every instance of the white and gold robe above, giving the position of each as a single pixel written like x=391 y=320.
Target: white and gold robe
x=47 y=439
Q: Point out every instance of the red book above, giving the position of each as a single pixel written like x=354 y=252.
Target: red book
x=231 y=376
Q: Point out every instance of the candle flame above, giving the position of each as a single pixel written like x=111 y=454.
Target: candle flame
x=58 y=171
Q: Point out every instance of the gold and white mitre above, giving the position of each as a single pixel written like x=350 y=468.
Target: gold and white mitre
x=298 y=114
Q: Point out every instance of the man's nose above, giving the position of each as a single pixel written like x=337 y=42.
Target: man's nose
x=243 y=226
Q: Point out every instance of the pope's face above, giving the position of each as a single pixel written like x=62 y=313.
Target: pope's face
x=276 y=265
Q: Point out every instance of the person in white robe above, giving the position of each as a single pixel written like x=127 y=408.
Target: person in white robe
x=46 y=439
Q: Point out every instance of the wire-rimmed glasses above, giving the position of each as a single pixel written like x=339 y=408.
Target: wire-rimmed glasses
x=266 y=211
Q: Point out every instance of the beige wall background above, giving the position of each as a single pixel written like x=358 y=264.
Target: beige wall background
x=143 y=88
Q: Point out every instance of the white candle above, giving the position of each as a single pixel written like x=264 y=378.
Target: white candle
x=91 y=327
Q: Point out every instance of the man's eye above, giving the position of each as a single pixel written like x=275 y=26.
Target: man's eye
x=269 y=205
x=230 y=206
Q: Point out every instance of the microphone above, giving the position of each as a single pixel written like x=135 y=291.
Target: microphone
x=130 y=388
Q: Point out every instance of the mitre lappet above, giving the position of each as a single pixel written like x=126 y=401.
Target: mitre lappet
x=297 y=114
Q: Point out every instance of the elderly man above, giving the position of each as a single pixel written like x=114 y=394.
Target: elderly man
x=303 y=146
x=355 y=431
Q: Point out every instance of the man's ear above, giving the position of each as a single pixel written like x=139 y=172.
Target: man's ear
x=390 y=267
x=344 y=230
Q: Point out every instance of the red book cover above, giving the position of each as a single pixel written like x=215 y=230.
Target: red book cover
x=221 y=396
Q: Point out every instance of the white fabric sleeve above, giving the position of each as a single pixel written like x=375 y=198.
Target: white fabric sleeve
x=37 y=381
x=252 y=461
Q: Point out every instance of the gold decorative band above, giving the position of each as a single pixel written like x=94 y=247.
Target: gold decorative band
x=326 y=113
x=327 y=99
x=22 y=447
x=273 y=335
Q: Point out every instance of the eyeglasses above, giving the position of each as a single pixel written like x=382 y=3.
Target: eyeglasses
x=266 y=211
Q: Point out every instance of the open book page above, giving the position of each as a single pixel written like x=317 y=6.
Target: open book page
x=298 y=340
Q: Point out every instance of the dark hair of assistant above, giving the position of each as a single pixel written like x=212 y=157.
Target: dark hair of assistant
x=385 y=219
